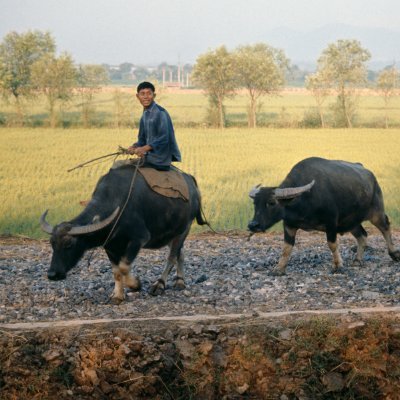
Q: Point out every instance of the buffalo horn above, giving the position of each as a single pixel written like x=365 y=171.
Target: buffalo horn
x=253 y=192
x=81 y=230
x=290 y=193
x=46 y=227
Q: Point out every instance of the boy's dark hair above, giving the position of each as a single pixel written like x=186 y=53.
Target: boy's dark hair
x=145 y=85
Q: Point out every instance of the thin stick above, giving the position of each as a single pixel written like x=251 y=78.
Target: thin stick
x=117 y=153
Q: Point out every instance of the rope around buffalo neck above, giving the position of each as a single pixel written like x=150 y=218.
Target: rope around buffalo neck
x=138 y=163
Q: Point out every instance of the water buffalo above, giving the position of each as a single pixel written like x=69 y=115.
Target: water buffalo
x=147 y=220
x=331 y=196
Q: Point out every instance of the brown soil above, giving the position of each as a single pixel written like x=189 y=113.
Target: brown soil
x=348 y=356
x=318 y=354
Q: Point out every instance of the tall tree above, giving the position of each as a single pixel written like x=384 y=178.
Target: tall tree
x=140 y=74
x=90 y=79
x=214 y=72
x=387 y=84
x=56 y=79
x=124 y=106
x=344 y=65
x=317 y=84
x=18 y=53
x=261 y=71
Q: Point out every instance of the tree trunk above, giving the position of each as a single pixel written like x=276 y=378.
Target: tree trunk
x=20 y=112
x=386 y=114
x=321 y=116
x=345 y=108
x=252 y=112
x=319 y=101
x=348 y=119
x=53 y=114
x=85 y=115
x=221 y=114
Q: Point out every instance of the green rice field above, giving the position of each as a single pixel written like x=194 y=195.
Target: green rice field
x=226 y=163
x=117 y=106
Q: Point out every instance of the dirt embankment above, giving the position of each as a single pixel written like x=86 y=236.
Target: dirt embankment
x=348 y=356
x=236 y=331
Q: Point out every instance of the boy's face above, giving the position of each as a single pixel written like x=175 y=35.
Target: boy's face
x=146 y=97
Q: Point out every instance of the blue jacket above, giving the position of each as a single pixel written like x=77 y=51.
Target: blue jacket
x=156 y=130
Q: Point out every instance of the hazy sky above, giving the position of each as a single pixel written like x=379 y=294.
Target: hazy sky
x=153 y=31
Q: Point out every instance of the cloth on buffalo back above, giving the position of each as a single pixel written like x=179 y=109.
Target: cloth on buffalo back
x=167 y=183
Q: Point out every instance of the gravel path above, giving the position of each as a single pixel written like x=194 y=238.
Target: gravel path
x=223 y=275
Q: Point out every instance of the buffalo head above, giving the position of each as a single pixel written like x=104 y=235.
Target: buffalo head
x=267 y=208
x=68 y=243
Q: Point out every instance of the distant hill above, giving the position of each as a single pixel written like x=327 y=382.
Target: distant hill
x=304 y=48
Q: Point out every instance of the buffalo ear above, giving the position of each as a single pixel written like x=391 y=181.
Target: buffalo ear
x=284 y=202
x=64 y=228
x=67 y=241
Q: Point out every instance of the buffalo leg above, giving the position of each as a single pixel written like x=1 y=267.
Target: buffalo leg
x=381 y=221
x=159 y=285
x=361 y=236
x=289 y=240
x=334 y=247
x=122 y=275
x=118 y=293
x=175 y=257
x=180 y=272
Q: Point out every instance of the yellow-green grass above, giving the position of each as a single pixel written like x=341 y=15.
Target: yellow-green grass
x=189 y=108
x=226 y=163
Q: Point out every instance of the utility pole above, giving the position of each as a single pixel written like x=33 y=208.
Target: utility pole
x=179 y=70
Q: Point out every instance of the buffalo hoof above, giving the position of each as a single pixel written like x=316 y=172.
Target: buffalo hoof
x=395 y=255
x=278 y=272
x=116 y=301
x=179 y=284
x=157 y=288
x=357 y=263
x=133 y=283
x=338 y=270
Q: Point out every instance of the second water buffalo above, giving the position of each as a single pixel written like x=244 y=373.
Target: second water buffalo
x=331 y=196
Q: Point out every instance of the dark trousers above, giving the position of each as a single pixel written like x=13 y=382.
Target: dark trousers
x=142 y=163
x=157 y=167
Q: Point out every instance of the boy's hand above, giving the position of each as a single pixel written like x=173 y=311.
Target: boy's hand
x=131 y=150
x=141 y=151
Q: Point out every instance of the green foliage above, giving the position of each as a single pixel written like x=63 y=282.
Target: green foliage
x=342 y=67
x=260 y=69
x=123 y=109
x=343 y=111
x=311 y=119
x=55 y=77
x=213 y=114
x=90 y=79
x=387 y=82
x=189 y=109
x=215 y=73
x=343 y=63
x=18 y=54
x=318 y=85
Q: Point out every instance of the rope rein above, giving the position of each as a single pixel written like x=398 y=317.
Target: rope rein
x=138 y=163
